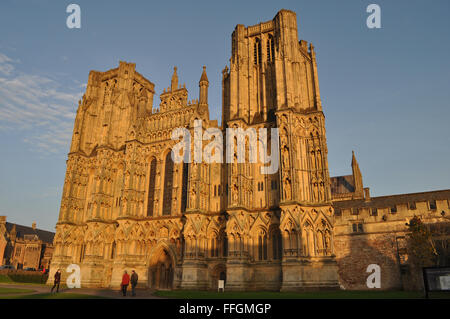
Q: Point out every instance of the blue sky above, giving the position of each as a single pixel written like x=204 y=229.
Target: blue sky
x=385 y=92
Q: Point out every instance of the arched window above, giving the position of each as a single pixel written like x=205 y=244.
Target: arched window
x=113 y=250
x=214 y=248
x=184 y=188
x=276 y=244
x=168 y=185
x=151 y=188
x=270 y=49
x=262 y=245
x=257 y=51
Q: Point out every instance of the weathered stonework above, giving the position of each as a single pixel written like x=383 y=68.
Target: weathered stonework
x=126 y=205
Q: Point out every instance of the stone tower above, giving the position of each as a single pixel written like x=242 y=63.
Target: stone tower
x=272 y=82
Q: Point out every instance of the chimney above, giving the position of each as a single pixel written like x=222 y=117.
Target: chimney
x=33 y=225
x=2 y=219
x=367 y=193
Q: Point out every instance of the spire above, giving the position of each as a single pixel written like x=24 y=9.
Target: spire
x=203 y=84
x=357 y=176
x=174 y=82
x=354 y=162
x=204 y=77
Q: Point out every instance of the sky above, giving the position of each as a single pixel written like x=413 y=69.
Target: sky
x=385 y=92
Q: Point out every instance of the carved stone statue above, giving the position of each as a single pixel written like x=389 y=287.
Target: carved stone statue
x=285 y=158
x=287 y=189
x=316 y=192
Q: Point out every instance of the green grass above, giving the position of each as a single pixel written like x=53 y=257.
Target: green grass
x=53 y=296
x=4 y=291
x=25 y=279
x=5 y=279
x=183 y=294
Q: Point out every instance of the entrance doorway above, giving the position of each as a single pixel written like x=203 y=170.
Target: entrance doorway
x=161 y=272
x=218 y=273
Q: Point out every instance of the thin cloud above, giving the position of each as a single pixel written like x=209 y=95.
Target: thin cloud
x=41 y=107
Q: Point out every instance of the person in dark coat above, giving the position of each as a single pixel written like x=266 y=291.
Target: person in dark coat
x=134 y=281
x=57 y=281
x=125 y=282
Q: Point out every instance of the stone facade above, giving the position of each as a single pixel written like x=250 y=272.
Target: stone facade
x=24 y=247
x=373 y=230
x=127 y=205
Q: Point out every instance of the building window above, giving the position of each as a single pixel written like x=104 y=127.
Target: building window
x=393 y=209
x=214 y=249
x=151 y=188
x=257 y=51
x=219 y=190
x=337 y=212
x=168 y=185
x=260 y=186
x=113 y=250
x=270 y=49
x=273 y=185
x=432 y=204
x=184 y=188
x=374 y=211
x=357 y=227
x=262 y=246
x=225 y=245
x=276 y=244
x=412 y=205
x=215 y=190
x=355 y=211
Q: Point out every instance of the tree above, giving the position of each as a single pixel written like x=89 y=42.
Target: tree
x=422 y=247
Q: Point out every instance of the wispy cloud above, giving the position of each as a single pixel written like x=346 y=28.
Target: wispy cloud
x=41 y=107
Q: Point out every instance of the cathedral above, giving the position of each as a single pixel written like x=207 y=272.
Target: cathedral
x=126 y=205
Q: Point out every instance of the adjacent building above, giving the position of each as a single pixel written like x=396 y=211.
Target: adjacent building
x=25 y=247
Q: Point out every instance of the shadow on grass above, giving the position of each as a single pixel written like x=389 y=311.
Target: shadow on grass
x=55 y=296
x=182 y=294
x=8 y=291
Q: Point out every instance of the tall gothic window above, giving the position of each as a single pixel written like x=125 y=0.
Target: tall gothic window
x=276 y=245
x=184 y=187
x=168 y=185
x=151 y=188
x=270 y=49
x=262 y=246
x=257 y=51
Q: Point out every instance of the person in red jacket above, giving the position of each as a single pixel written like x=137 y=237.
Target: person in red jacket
x=125 y=283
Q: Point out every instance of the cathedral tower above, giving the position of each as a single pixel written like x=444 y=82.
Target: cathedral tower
x=272 y=82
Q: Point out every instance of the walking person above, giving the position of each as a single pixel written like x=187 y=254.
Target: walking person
x=125 y=283
x=134 y=281
x=57 y=281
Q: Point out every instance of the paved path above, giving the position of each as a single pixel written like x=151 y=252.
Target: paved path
x=108 y=293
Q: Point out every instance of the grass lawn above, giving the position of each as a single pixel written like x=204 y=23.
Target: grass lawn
x=53 y=296
x=183 y=294
x=4 y=291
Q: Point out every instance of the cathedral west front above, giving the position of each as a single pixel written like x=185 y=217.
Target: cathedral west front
x=127 y=205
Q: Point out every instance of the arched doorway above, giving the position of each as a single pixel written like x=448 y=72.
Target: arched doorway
x=219 y=272
x=161 y=271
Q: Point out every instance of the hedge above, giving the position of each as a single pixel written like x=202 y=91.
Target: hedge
x=23 y=276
